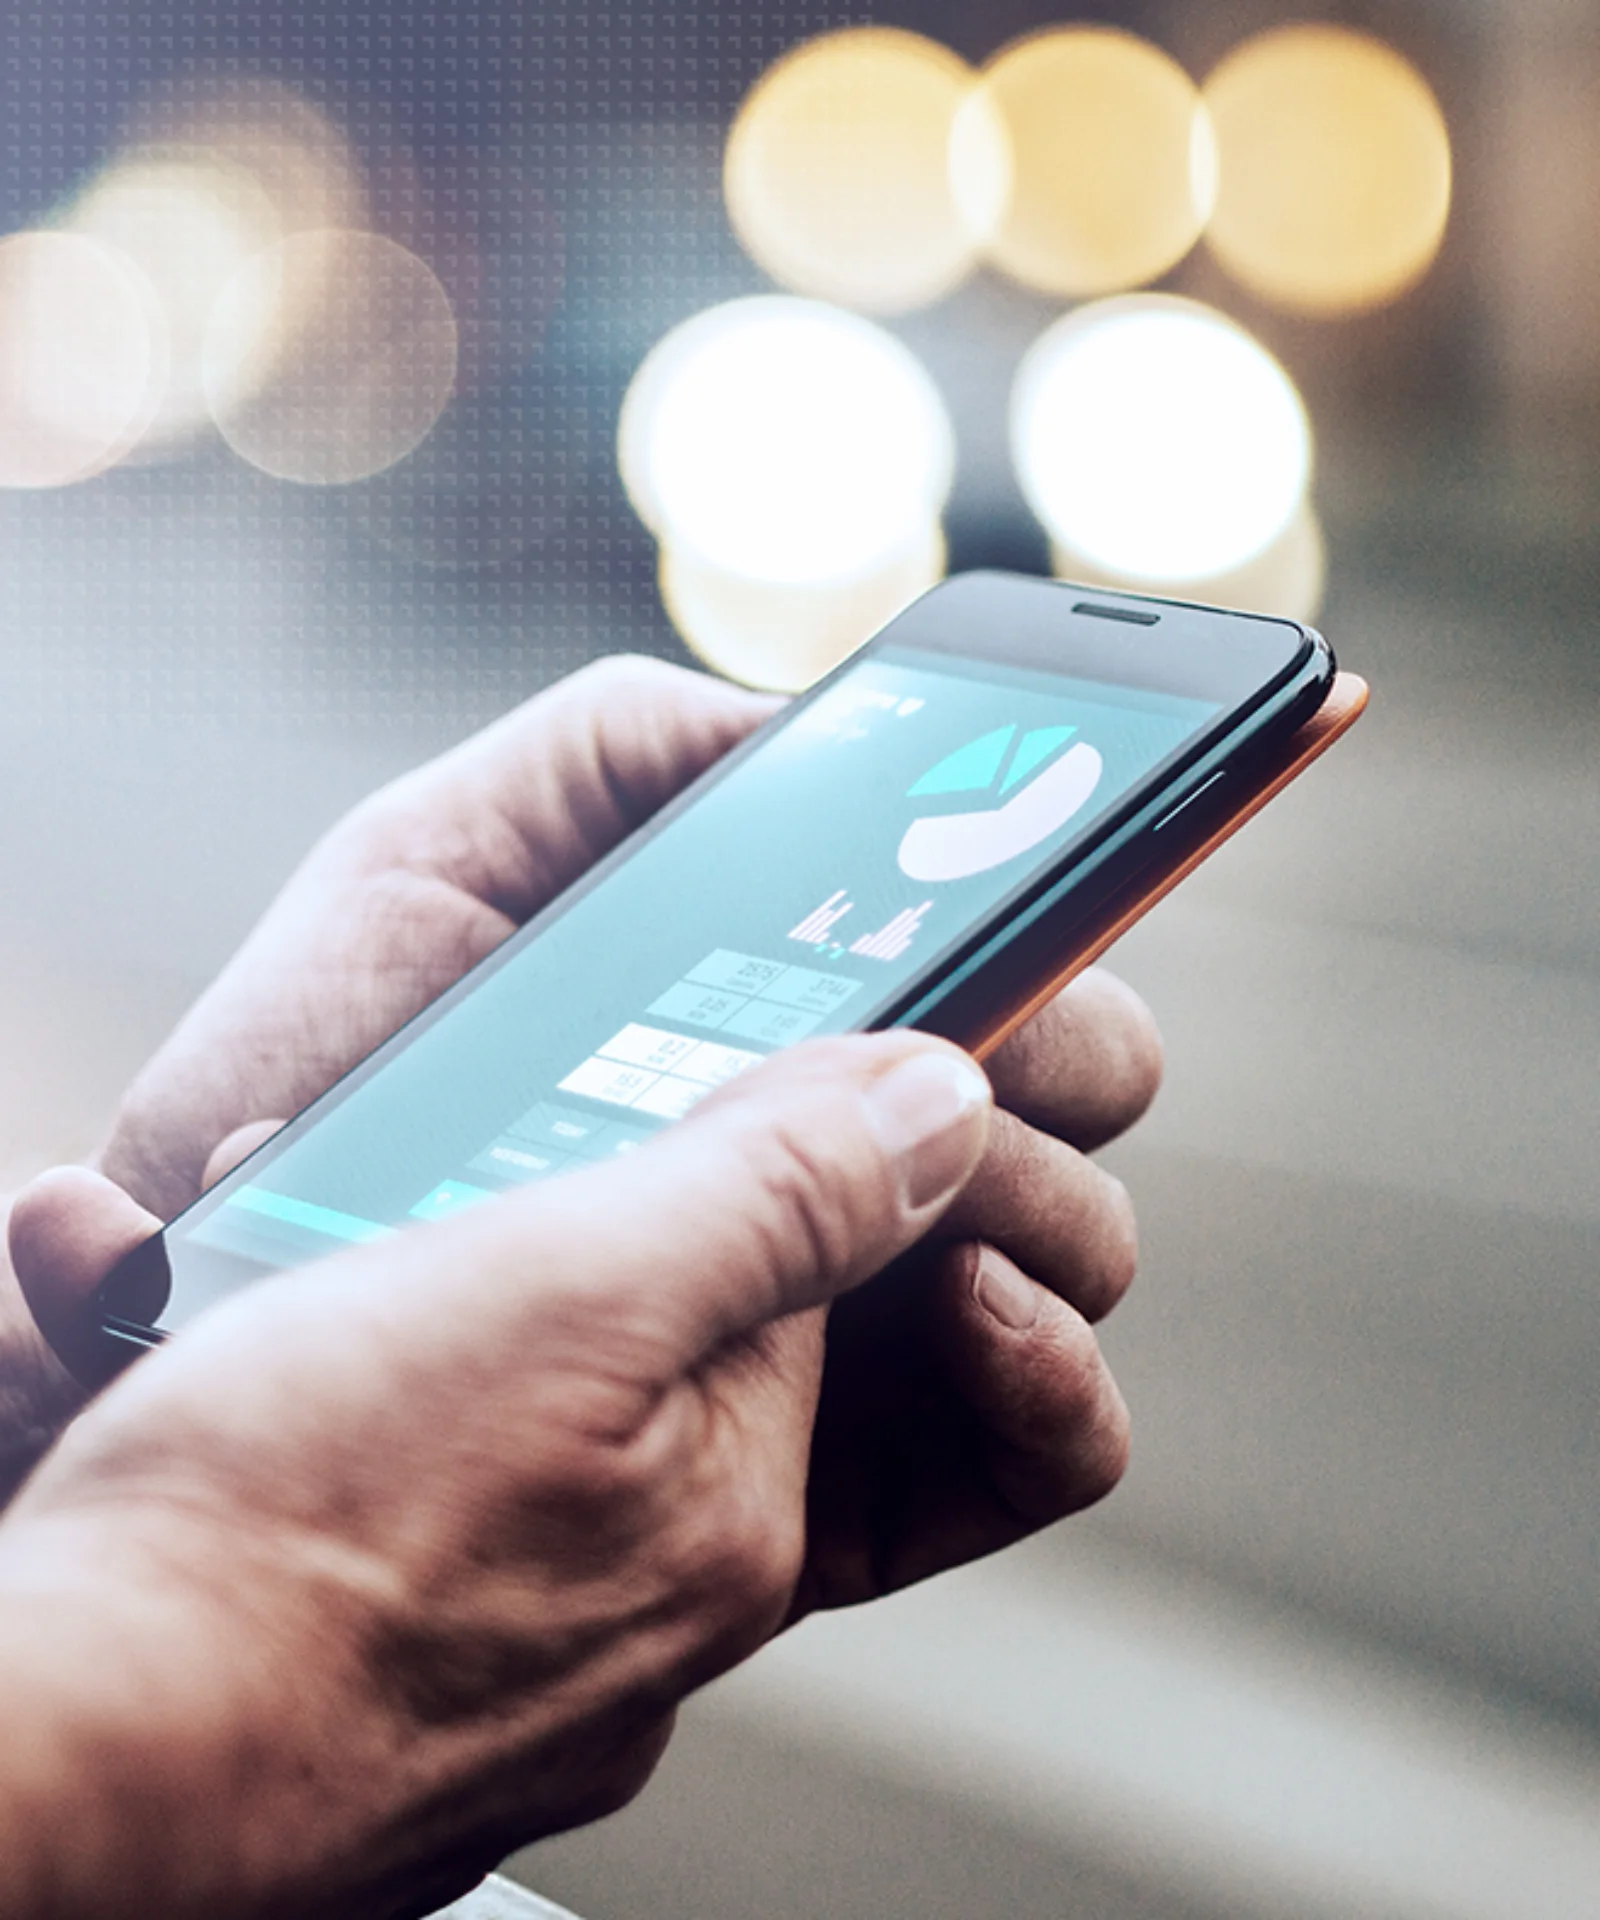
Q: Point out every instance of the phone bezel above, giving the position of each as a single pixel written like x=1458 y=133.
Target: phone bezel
x=1266 y=676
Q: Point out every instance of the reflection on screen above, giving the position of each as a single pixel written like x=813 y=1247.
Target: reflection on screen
x=799 y=896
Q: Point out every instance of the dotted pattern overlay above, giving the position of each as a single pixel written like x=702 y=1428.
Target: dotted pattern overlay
x=580 y=147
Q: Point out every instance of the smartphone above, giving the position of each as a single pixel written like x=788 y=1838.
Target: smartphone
x=931 y=837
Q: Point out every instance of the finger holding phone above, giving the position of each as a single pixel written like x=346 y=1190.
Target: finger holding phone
x=378 y=1592
x=431 y=874
x=428 y=875
x=915 y=843
x=961 y=1337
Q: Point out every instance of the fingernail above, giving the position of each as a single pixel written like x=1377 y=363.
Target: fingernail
x=926 y=1113
x=1004 y=1294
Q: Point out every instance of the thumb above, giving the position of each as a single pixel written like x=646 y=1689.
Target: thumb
x=786 y=1188
x=68 y=1229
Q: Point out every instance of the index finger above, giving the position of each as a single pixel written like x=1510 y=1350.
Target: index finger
x=519 y=811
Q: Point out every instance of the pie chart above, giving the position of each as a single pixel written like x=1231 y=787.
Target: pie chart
x=1053 y=779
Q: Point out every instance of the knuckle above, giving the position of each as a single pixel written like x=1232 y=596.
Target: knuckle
x=764 y=1562
x=1147 y=1057
x=614 y=1476
x=1133 y=1041
x=1088 y=1064
x=629 y=1449
x=749 y=1568
x=1107 y=1460
x=1103 y=1460
x=620 y=1779
x=1095 y=1427
x=1114 y=1248
x=385 y=827
x=1011 y=1151
x=626 y=672
x=811 y=1222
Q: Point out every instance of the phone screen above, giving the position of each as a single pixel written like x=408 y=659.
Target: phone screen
x=859 y=845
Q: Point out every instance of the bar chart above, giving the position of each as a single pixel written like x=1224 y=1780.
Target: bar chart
x=894 y=937
x=814 y=930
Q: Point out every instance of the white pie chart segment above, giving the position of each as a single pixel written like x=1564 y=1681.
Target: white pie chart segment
x=954 y=846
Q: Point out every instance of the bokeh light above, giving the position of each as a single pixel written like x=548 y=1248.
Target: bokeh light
x=329 y=356
x=244 y=125
x=206 y=175
x=187 y=227
x=838 y=173
x=1333 y=169
x=785 y=440
x=786 y=454
x=1287 y=578
x=82 y=358
x=1157 y=441
x=1112 y=169
x=786 y=637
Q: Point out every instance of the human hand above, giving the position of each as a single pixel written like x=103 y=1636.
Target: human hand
x=402 y=896
x=944 y=1429
x=400 y=1560
x=405 y=894
x=428 y=875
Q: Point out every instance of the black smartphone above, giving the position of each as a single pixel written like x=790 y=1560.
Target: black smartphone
x=912 y=843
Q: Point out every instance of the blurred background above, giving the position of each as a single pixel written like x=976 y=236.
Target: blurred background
x=363 y=370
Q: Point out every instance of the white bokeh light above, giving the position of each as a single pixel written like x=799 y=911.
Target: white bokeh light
x=83 y=358
x=187 y=228
x=1158 y=441
x=248 y=127
x=328 y=357
x=1286 y=579
x=785 y=441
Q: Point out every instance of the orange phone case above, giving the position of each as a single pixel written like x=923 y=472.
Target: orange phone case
x=1347 y=698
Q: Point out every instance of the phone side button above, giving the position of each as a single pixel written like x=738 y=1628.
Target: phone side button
x=1183 y=806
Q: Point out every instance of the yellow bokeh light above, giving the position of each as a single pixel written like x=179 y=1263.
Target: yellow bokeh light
x=1333 y=169
x=329 y=357
x=838 y=173
x=784 y=637
x=82 y=358
x=1111 y=164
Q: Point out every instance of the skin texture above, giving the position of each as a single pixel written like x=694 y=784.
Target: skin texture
x=405 y=1589
x=37 y=1394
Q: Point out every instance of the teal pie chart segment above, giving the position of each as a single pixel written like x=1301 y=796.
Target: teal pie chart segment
x=955 y=846
x=973 y=768
x=1036 y=748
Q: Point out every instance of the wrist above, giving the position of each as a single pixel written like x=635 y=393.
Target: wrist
x=162 y=1740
